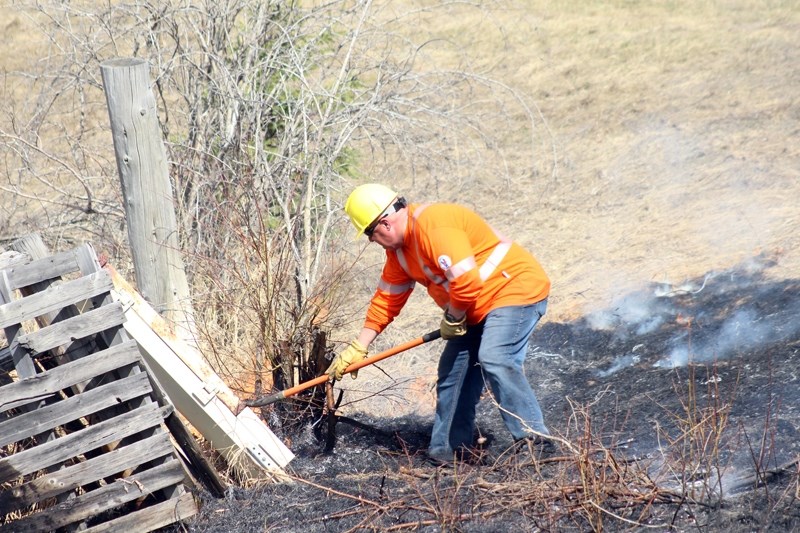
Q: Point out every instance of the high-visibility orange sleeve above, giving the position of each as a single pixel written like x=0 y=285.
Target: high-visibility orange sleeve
x=394 y=289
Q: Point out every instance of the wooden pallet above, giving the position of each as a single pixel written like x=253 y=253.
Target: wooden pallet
x=83 y=440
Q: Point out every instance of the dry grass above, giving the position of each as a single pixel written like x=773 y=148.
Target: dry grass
x=663 y=142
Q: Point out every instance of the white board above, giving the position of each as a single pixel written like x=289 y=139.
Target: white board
x=198 y=393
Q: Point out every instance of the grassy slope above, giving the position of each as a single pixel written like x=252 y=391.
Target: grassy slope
x=667 y=139
x=674 y=127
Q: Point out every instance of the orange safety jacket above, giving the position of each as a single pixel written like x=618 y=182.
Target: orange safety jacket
x=462 y=261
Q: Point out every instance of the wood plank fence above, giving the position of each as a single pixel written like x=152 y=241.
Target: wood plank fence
x=83 y=439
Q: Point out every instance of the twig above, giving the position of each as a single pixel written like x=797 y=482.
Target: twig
x=335 y=492
x=622 y=518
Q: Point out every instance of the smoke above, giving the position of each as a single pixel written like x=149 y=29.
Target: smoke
x=619 y=363
x=724 y=314
x=633 y=314
x=744 y=331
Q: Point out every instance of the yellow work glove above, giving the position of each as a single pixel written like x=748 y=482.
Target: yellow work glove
x=452 y=327
x=352 y=354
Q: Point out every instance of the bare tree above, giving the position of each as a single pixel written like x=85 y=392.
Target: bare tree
x=271 y=112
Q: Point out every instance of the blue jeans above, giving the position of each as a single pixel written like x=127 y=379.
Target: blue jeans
x=492 y=352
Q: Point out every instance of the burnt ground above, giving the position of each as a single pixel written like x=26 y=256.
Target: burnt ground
x=678 y=408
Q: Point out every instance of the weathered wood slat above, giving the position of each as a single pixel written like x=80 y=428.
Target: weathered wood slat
x=78 y=327
x=198 y=465
x=24 y=401
x=87 y=259
x=87 y=403
x=44 y=269
x=9 y=260
x=59 y=450
x=101 y=499
x=20 y=359
x=66 y=375
x=94 y=469
x=150 y=518
x=33 y=246
x=12 y=258
x=54 y=298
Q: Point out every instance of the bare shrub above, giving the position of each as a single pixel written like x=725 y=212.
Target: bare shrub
x=270 y=111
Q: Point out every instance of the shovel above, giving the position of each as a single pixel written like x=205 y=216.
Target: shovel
x=291 y=391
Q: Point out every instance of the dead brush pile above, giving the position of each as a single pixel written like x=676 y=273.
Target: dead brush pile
x=391 y=487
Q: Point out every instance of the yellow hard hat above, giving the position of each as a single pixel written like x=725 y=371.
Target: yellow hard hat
x=366 y=203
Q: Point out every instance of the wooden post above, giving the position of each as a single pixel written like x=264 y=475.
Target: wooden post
x=150 y=212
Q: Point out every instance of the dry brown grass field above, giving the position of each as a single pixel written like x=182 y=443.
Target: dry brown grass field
x=667 y=132
x=664 y=144
x=674 y=131
x=661 y=144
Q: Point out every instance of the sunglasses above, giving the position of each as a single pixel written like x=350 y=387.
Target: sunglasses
x=372 y=227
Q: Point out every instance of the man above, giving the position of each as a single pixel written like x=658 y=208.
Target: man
x=491 y=291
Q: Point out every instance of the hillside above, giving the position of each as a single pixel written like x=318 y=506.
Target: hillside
x=659 y=186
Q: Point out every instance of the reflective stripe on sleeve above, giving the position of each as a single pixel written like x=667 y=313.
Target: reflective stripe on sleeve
x=384 y=286
x=439 y=280
x=460 y=268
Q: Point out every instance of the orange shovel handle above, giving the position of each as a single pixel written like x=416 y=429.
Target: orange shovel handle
x=286 y=393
